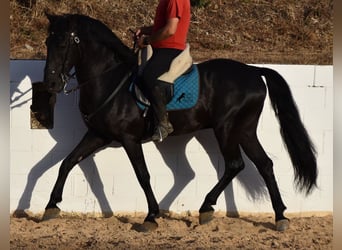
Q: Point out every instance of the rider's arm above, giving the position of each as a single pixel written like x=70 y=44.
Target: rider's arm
x=165 y=32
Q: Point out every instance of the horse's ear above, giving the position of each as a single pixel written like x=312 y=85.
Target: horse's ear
x=52 y=18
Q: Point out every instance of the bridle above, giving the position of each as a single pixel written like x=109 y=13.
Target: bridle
x=66 y=76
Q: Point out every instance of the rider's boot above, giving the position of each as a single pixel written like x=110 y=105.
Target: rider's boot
x=163 y=129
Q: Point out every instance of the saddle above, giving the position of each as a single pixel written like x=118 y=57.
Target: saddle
x=179 y=71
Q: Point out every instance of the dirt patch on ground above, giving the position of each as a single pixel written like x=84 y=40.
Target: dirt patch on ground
x=174 y=232
x=253 y=31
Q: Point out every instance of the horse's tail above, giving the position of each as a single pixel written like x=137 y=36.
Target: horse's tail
x=293 y=132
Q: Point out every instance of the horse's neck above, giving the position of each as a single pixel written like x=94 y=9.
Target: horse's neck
x=94 y=63
x=93 y=69
x=101 y=71
x=96 y=56
x=99 y=87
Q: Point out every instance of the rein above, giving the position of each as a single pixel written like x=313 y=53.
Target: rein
x=66 y=78
x=109 y=98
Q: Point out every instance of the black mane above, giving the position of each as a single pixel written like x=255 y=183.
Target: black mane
x=95 y=30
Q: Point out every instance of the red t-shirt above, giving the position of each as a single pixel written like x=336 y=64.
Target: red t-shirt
x=170 y=9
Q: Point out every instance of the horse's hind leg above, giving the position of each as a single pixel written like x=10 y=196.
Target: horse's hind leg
x=264 y=164
x=87 y=146
x=233 y=165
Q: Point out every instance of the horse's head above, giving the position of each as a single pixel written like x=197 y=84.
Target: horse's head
x=62 y=51
x=73 y=35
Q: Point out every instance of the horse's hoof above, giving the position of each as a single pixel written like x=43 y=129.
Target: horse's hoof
x=20 y=214
x=51 y=213
x=282 y=225
x=147 y=226
x=206 y=217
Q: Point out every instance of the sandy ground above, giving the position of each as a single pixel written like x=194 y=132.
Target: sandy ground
x=253 y=231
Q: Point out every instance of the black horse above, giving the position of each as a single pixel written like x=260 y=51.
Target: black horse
x=230 y=102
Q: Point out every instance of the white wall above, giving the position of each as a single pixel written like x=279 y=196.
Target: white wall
x=182 y=170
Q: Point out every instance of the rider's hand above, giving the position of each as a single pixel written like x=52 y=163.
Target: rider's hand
x=143 y=41
x=136 y=34
x=142 y=36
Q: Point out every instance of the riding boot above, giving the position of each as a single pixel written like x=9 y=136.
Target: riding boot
x=160 y=96
x=163 y=129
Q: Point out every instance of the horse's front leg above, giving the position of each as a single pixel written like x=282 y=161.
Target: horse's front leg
x=87 y=146
x=136 y=156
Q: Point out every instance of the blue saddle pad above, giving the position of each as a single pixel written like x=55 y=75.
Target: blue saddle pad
x=186 y=91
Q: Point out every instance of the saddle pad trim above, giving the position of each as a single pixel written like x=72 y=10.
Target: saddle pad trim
x=186 y=92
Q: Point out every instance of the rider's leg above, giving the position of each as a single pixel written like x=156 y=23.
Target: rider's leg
x=156 y=91
x=158 y=104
